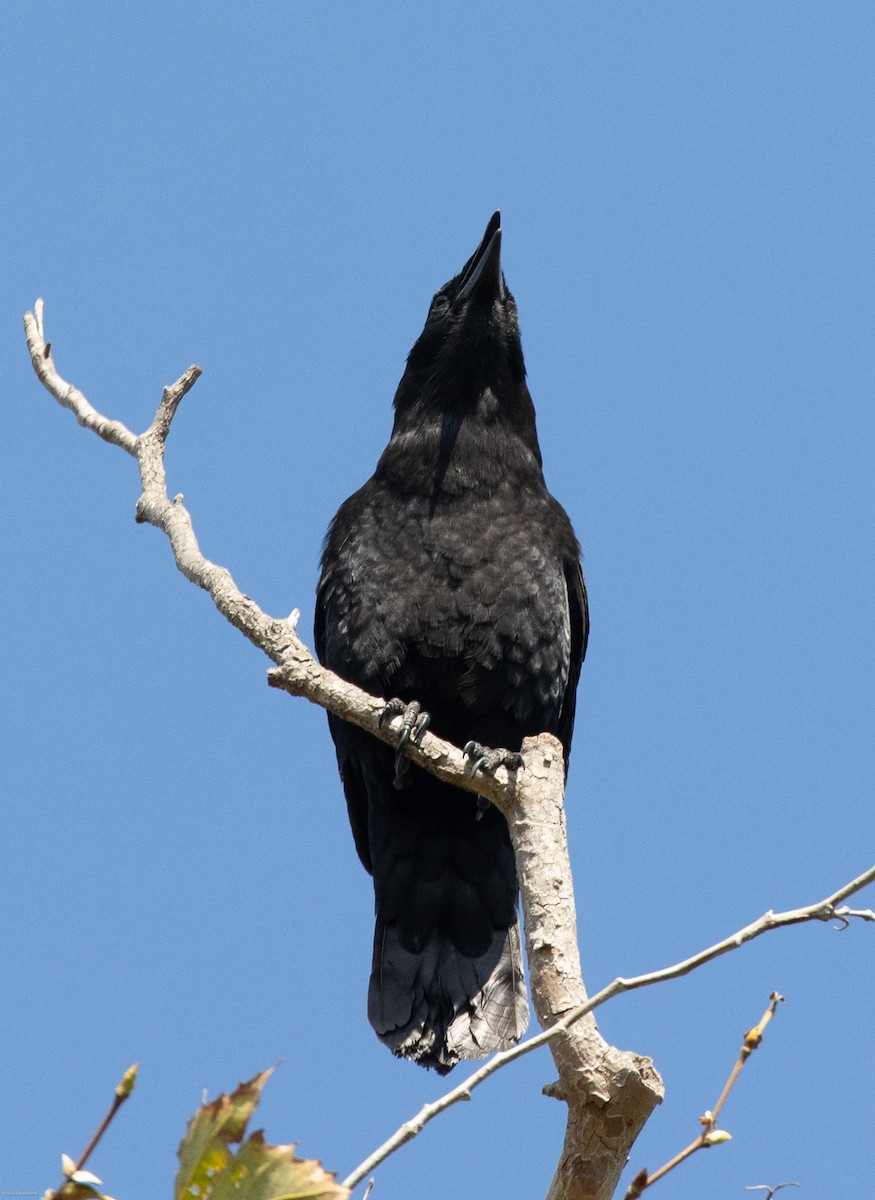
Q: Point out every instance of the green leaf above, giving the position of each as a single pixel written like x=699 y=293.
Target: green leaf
x=264 y=1172
x=214 y=1127
x=209 y=1170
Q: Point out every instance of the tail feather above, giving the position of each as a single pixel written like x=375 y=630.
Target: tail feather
x=438 y=1005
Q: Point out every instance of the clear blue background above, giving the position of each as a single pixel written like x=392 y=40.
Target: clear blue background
x=274 y=191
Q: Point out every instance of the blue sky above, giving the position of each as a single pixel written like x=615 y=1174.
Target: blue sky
x=275 y=192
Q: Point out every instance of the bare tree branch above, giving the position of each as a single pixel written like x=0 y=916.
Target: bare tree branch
x=297 y=672
x=822 y=910
x=65 y=393
x=764 y=1187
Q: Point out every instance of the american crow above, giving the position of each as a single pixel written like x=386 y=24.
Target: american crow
x=452 y=578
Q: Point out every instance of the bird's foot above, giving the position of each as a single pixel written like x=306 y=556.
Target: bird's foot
x=414 y=723
x=482 y=758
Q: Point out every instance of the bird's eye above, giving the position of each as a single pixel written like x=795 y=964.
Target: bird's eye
x=440 y=303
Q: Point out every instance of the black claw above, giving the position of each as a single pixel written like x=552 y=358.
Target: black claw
x=414 y=723
x=482 y=805
x=483 y=759
x=475 y=753
x=402 y=778
x=393 y=708
x=475 y=765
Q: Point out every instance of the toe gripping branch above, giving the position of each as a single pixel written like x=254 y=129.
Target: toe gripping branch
x=482 y=758
x=414 y=723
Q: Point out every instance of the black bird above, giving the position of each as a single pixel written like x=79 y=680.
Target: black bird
x=452 y=579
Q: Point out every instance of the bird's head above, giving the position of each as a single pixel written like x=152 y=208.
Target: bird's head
x=472 y=331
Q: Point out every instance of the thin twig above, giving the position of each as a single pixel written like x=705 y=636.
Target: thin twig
x=710 y=1135
x=170 y=402
x=122 y=1091
x=824 y=910
x=65 y=393
x=764 y=1187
